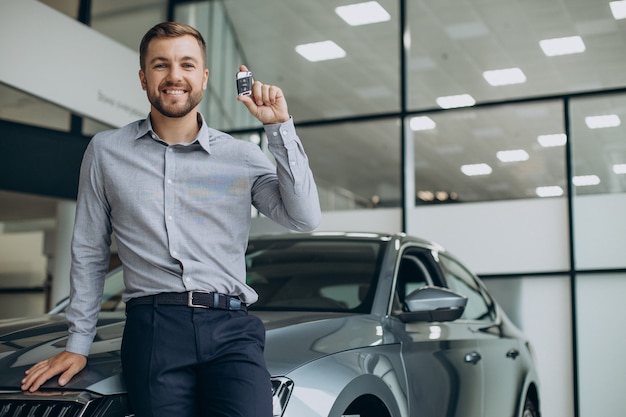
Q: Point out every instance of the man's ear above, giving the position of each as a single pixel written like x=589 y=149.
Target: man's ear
x=205 y=79
x=142 y=79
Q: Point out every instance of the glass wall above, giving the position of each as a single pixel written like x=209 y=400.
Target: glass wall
x=356 y=164
x=599 y=178
x=489 y=153
x=600 y=310
x=488 y=51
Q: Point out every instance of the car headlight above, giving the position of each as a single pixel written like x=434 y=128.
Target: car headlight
x=281 y=391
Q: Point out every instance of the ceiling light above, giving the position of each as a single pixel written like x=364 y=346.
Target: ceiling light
x=451 y=102
x=562 y=46
x=619 y=168
x=476 y=169
x=604 y=121
x=426 y=195
x=516 y=155
x=586 y=180
x=320 y=51
x=550 y=191
x=363 y=13
x=506 y=76
x=422 y=123
x=549 y=141
x=618 y=8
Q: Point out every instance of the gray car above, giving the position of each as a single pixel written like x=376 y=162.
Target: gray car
x=358 y=324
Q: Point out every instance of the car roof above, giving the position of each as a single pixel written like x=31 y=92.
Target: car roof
x=402 y=238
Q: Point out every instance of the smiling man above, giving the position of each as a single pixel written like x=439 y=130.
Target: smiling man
x=176 y=194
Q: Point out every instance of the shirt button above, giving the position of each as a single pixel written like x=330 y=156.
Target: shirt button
x=169 y=217
x=169 y=181
x=170 y=149
x=284 y=133
x=187 y=279
x=174 y=253
x=275 y=133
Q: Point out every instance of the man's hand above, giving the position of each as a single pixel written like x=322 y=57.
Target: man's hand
x=67 y=364
x=266 y=102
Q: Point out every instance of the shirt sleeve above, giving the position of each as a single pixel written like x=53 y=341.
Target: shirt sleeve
x=288 y=194
x=90 y=255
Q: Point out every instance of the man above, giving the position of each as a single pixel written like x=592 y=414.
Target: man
x=177 y=195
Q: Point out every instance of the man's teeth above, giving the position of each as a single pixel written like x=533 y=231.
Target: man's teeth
x=174 y=92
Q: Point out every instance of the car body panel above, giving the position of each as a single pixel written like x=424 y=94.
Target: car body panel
x=363 y=351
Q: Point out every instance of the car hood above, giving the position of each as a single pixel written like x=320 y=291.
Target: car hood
x=292 y=340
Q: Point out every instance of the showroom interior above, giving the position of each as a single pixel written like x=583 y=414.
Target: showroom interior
x=492 y=127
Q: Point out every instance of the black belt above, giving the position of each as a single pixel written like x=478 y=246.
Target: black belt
x=198 y=299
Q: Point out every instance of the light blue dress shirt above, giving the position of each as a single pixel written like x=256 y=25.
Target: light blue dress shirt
x=180 y=213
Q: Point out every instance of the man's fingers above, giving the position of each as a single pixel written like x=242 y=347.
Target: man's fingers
x=67 y=364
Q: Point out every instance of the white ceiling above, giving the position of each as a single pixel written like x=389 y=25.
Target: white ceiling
x=451 y=43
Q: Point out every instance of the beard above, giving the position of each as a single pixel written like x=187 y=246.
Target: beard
x=175 y=109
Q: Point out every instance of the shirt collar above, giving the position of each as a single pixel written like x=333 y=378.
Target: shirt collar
x=144 y=128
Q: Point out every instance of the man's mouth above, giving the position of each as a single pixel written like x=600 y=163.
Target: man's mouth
x=175 y=92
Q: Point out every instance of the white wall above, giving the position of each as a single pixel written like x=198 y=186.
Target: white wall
x=101 y=81
x=499 y=237
x=600 y=231
x=601 y=344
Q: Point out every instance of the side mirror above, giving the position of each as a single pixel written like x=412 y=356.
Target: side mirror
x=433 y=304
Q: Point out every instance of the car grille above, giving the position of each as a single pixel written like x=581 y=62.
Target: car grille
x=62 y=404
x=12 y=408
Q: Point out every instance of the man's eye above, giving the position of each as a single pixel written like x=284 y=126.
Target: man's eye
x=159 y=66
x=188 y=66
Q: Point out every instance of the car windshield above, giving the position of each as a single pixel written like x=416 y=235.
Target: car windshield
x=295 y=274
x=320 y=275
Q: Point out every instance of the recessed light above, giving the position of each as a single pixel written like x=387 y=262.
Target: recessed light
x=422 y=123
x=549 y=191
x=320 y=51
x=516 y=155
x=603 y=121
x=363 y=13
x=476 y=169
x=562 y=46
x=505 y=76
x=618 y=8
x=619 y=168
x=552 y=140
x=461 y=100
x=585 y=180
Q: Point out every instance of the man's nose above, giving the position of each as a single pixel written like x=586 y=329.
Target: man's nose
x=175 y=73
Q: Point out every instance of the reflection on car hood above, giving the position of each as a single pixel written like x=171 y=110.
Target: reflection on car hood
x=293 y=339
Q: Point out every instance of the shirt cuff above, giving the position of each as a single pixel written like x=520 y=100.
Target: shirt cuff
x=281 y=133
x=77 y=343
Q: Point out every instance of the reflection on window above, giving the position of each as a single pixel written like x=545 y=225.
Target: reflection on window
x=461 y=281
x=491 y=153
x=356 y=165
x=598 y=127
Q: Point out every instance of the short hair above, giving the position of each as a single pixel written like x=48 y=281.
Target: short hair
x=169 y=30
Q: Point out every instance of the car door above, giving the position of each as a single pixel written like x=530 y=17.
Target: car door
x=440 y=380
x=497 y=354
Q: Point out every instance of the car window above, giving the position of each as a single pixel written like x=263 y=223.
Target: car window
x=412 y=273
x=461 y=281
x=318 y=275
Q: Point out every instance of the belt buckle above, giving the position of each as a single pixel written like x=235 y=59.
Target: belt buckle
x=190 y=299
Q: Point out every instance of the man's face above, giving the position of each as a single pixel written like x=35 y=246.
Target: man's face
x=174 y=76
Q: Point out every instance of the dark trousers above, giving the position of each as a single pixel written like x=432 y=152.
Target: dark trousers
x=194 y=362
